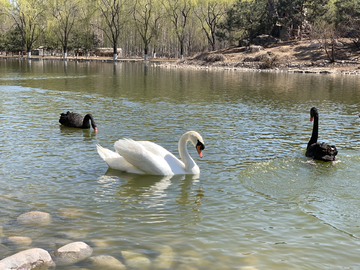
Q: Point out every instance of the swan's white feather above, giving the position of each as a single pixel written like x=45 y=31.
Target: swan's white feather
x=115 y=161
x=176 y=165
x=150 y=159
x=144 y=157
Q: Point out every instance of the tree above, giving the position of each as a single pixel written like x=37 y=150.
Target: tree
x=298 y=14
x=65 y=14
x=114 y=17
x=179 y=12
x=84 y=41
x=28 y=16
x=147 y=15
x=327 y=34
x=210 y=13
x=249 y=17
x=348 y=19
x=4 y=4
x=50 y=40
x=229 y=29
x=13 y=41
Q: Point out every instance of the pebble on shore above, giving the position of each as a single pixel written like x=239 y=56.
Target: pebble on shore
x=35 y=258
x=18 y=241
x=136 y=260
x=106 y=262
x=72 y=253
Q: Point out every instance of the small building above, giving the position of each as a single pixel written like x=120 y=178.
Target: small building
x=39 y=51
x=107 y=52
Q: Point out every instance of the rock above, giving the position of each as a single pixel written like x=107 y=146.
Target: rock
x=337 y=43
x=127 y=255
x=72 y=253
x=70 y=212
x=18 y=241
x=264 y=39
x=34 y=218
x=186 y=267
x=243 y=42
x=1 y=232
x=139 y=263
x=28 y=259
x=106 y=262
x=165 y=259
x=59 y=242
x=74 y=234
x=136 y=260
x=3 y=250
x=262 y=57
x=99 y=243
x=255 y=48
x=315 y=45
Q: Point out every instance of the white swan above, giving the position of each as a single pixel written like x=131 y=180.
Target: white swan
x=144 y=157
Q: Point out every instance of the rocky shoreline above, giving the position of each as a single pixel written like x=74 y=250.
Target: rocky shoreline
x=344 y=67
x=68 y=253
x=319 y=67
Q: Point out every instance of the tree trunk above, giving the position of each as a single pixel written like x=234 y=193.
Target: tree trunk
x=182 y=50
x=272 y=13
x=146 y=53
x=115 y=52
x=65 y=53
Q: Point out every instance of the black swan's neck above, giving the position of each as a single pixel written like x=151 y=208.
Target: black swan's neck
x=314 y=136
x=86 y=123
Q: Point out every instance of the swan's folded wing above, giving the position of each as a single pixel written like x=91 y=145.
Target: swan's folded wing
x=137 y=155
x=176 y=165
x=154 y=148
x=115 y=161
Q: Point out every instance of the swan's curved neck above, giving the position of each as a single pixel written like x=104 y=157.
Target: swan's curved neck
x=314 y=136
x=86 y=123
x=190 y=165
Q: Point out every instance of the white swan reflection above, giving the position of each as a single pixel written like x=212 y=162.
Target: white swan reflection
x=150 y=190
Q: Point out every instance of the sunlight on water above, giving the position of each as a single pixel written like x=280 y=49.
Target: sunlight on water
x=258 y=202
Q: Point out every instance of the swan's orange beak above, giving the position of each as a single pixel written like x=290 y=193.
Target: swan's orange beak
x=95 y=129
x=311 y=118
x=199 y=150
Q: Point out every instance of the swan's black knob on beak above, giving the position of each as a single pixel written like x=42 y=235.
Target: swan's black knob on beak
x=200 y=147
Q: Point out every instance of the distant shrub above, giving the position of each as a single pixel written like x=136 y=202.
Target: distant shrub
x=257 y=58
x=270 y=62
x=211 y=57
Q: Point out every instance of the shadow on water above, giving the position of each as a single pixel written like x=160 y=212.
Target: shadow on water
x=324 y=190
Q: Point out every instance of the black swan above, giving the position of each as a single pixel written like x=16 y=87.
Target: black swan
x=316 y=150
x=76 y=120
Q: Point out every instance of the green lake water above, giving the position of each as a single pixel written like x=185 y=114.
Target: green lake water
x=258 y=203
